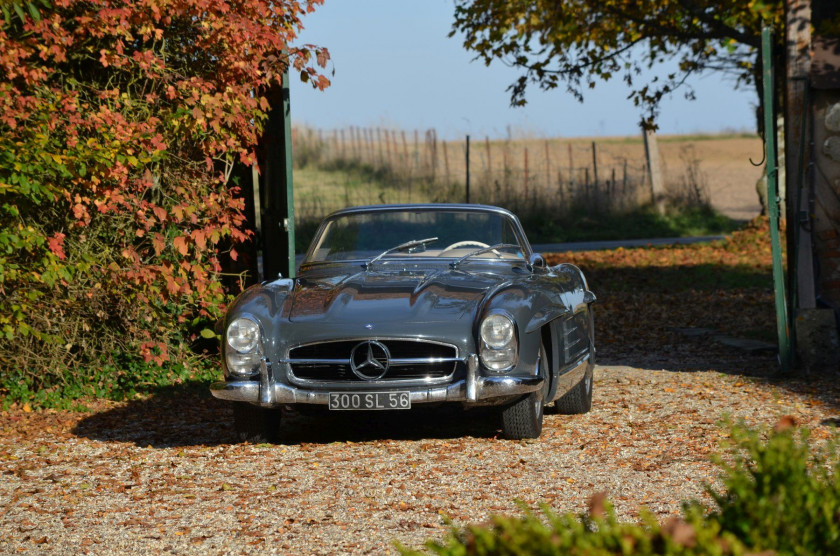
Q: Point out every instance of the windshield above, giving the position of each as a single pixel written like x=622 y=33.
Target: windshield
x=426 y=233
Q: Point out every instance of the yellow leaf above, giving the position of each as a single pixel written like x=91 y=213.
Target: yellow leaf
x=27 y=408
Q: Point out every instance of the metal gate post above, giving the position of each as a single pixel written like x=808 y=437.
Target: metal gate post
x=276 y=190
x=782 y=322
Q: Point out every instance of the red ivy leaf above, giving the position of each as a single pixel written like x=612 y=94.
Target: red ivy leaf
x=160 y=213
x=200 y=238
x=56 y=245
x=158 y=243
x=180 y=244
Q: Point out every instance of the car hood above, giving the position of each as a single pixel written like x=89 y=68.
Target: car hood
x=390 y=296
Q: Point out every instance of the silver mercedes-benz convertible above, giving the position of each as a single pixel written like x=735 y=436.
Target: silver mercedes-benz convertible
x=397 y=306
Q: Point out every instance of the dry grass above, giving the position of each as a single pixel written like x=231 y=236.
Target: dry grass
x=554 y=169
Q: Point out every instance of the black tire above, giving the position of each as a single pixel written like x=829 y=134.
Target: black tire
x=256 y=424
x=578 y=399
x=524 y=419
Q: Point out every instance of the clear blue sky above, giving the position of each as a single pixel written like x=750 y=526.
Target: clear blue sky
x=396 y=67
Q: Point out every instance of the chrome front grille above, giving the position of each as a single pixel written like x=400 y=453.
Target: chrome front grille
x=409 y=360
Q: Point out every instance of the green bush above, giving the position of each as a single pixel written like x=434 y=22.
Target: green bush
x=780 y=496
x=120 y=377
x=550 y=533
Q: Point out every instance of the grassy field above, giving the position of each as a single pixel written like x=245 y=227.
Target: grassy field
x=562 y=189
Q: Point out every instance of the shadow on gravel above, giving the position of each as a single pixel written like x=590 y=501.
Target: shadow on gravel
x=696 y=317
x=444 y=422
x=641 y=316
x=175 y=417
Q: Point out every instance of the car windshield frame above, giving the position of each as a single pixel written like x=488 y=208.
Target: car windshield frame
x=507 y=221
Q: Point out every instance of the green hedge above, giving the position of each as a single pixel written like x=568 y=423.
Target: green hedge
x=780 y=496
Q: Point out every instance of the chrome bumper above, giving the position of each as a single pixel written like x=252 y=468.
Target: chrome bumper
x=474 y=388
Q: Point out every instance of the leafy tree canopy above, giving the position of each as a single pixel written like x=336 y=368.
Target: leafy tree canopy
x=120 y=122
x=578 y=42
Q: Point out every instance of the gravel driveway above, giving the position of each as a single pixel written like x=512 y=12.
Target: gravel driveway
x=162 y=475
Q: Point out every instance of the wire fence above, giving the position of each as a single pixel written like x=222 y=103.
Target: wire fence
x=528 y=176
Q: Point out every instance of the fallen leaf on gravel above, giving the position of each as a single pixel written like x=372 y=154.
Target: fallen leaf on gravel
x=597 y=507
x=786 y=422
x=680 y=532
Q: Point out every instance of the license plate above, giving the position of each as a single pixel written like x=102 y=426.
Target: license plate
x=370 y=400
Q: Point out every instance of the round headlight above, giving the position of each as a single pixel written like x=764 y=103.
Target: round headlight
x=497 y=331
x=243 y=335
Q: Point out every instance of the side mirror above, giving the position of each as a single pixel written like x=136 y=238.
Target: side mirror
x=536 y=261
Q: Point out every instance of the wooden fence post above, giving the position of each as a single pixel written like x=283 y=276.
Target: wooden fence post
x=405 y=153
x=657 y=192
x=432 y=134
x=416 y=150
x=526 y=173
x=505 y=175
x=445 y=162
x=489 y=160
x=547 y=167
x=467 y=157
x=571 y=167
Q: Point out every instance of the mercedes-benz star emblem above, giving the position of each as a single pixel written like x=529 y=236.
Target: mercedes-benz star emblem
x=370 y=360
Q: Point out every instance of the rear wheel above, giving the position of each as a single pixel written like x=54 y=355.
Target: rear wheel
x=524 y=419
x=578 y=399
x=256 y=424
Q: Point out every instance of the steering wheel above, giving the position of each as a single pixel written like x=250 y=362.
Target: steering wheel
x=466 y=243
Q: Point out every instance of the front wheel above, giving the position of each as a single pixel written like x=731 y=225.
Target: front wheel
x=256 y=424
x=524 y=419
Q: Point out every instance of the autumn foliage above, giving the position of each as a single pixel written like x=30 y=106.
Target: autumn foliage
x=120 y=122
x=781 y=495
x=653 y=47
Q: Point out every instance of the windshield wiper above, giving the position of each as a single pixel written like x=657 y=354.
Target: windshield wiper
x=484 y=250
x=400 y=247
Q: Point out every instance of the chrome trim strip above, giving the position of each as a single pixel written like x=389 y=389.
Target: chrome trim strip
x=267 y=383
x=425 y=360
x=408 y=361
x=354 y=384
x=483 y=388
x=573 y=344
x=472 y=378
x=373 y=339
x=317 y=361
x=570 y=378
